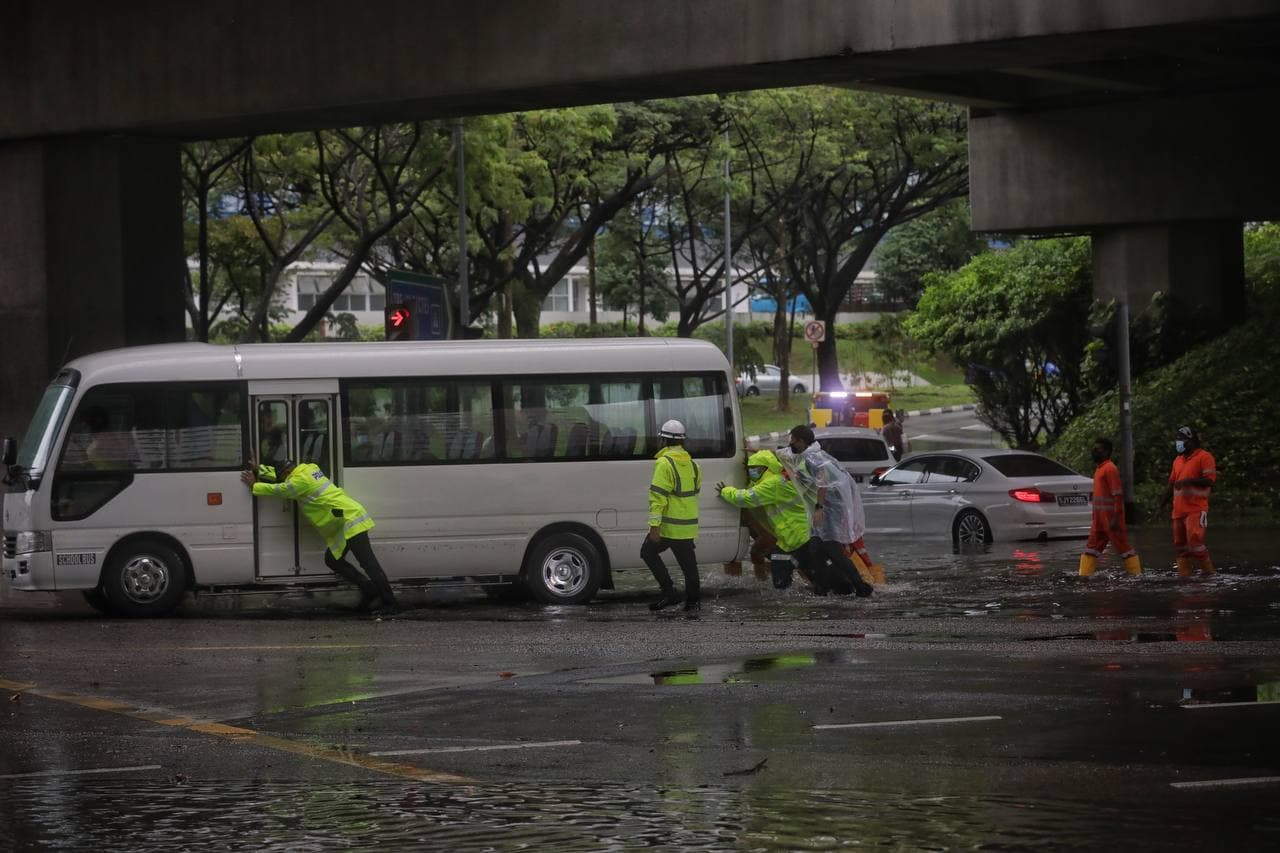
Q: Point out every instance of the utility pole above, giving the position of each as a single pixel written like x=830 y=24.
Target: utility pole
x=728 y=257
x=1126 y=403
x=464 y=286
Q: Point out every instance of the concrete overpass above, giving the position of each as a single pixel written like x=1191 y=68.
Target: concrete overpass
x=1144 y=123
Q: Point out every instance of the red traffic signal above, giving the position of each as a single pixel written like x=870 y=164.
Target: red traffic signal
x=398 y=323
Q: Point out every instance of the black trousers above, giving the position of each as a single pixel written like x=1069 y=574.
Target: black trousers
x=376 y=582
x=651 y=553
x=841 y=577
x=783 y=563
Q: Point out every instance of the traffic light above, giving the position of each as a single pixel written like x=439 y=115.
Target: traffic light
x=398 y=322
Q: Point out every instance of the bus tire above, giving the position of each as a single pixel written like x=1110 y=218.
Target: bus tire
x=564 y=568
x=144 y=578
x=95 y=599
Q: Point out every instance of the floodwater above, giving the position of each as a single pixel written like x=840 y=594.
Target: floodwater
x=254 y=816
x=1023 y=594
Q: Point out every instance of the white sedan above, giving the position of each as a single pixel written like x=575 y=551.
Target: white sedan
x=977 y=496
x=766 y=380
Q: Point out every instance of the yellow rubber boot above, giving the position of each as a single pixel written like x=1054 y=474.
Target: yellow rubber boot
x=863 y=569
x=1184 y=567
x=1133 y=565
x=1088 y=564
x=877 y=574
x=1206 y=565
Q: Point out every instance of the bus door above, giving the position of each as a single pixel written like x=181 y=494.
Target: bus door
x=298 y=427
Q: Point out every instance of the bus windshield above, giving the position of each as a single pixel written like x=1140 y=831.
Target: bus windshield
x=33 y=454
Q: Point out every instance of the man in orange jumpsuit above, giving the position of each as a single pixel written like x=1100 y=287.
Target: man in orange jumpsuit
x=1190 y=481
x=1108 y=514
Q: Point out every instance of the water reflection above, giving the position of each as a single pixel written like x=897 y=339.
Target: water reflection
x=752 y=670
x=266 y=816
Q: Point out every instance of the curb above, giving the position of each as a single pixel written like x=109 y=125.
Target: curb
x=937 y=410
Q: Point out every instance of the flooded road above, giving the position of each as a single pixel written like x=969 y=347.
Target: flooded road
x=987 y=699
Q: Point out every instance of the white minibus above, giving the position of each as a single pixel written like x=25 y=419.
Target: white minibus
x=489 y=462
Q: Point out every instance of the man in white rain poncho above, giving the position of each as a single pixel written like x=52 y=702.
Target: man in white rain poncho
x=835 y=509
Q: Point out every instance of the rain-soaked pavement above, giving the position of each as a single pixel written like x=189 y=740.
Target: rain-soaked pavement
x=979 y=700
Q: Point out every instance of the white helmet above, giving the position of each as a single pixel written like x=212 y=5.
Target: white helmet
x=672 y=429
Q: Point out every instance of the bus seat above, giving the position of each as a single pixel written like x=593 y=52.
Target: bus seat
x=624 y=443
x=540 y=440
x=385 y=445
x=576 y=443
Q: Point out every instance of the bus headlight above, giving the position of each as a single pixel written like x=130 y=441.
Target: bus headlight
x=31 y=541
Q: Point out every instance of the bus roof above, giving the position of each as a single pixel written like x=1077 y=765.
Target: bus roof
x=211 y=362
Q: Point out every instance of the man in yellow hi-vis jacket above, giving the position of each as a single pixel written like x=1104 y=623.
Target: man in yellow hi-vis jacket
x=673 y=518
x=340 y=520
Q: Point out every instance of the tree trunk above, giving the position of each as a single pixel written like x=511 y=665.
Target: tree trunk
x=828 y=360
x=782 y=354
x=591 y=282
x=526 y=305
x=504 y=312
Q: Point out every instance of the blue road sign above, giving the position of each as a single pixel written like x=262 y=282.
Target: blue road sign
x=427 y=298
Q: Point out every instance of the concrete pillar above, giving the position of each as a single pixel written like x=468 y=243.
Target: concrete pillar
x=91 y=256
x=1200 y=265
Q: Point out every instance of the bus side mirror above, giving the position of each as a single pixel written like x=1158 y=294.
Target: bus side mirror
x=10 y=451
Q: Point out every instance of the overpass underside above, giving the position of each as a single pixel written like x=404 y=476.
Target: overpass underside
x=1142 y=123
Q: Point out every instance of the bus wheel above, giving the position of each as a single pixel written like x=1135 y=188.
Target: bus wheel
x=564 y=568
x=144 y=578
x=97 y=600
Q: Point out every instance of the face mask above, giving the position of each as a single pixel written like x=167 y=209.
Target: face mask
x=755 y=473
x=1180 y=446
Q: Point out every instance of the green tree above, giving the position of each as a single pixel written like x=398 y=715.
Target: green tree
x=843 y=168
x=280 y=197
x=371 y=179
x=940 y=241
x=630 y=260
x=1019 y=320
x=1262 y=257
x=208 y=175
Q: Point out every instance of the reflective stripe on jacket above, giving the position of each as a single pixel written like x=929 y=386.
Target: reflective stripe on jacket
x=329 y=509
x=777 y=497
x=1108 y=494
x=673 y=494
x=1195 y=465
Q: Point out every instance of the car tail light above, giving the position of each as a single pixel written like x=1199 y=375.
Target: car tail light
x=1031 y=496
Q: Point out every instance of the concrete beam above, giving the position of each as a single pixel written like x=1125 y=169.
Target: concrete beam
x=1161 y=161
x=259 y=65
x=90 y=257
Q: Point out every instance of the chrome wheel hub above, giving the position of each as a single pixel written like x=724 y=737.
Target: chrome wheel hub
x=565 y=571
x=144 y=579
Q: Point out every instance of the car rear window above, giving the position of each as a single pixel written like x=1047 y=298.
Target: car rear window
x=855 y=449
x=1028 y=465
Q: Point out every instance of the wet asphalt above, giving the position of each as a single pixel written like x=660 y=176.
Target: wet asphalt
x=986 y=699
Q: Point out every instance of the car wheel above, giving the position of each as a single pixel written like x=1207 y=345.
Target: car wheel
x=145 y=578
x=971 y=528
x=799 y=389
x=564 y=568
x=753 y=391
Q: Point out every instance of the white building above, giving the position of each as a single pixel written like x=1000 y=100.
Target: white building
x=568 y=301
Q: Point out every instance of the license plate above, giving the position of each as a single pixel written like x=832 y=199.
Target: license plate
x=1073 y=500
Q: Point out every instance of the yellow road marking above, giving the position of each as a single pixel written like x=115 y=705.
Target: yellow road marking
x=299 y=647
x=239 y=735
